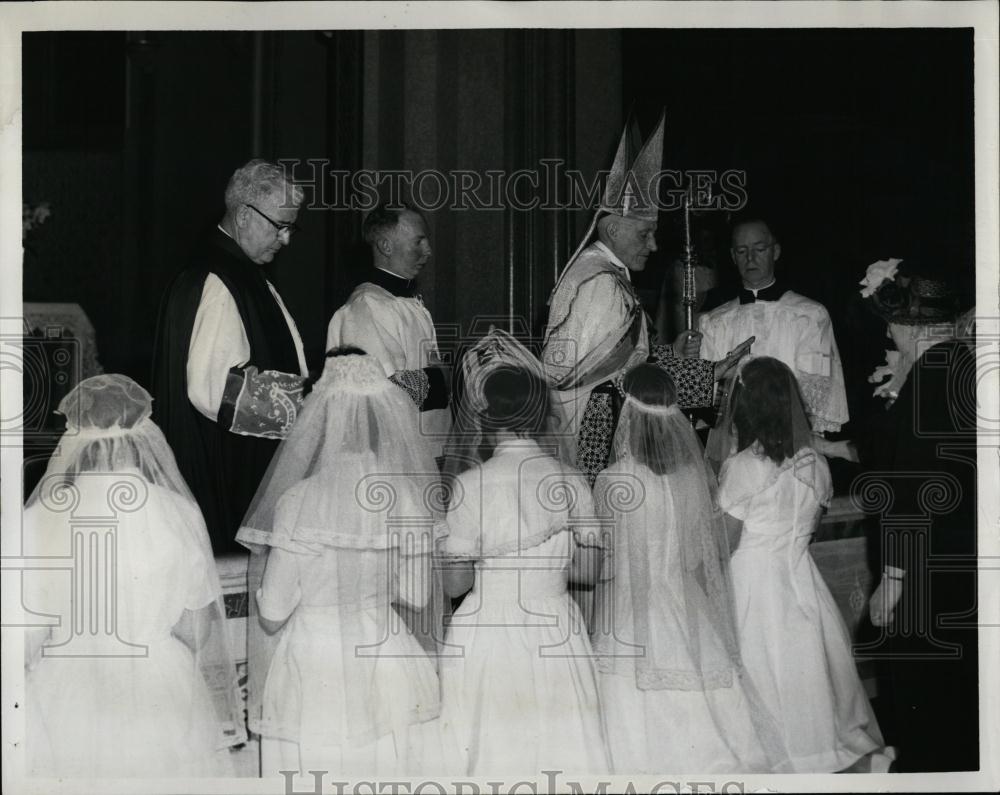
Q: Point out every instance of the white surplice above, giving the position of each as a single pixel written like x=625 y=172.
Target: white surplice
x=798 y=332
x=219 y=342
x=396 y=330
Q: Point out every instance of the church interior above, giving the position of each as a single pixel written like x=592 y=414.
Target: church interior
x=858 y=143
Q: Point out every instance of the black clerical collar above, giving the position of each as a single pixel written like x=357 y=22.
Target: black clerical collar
x=772 y=292
x=225 y=241
x=396 y=285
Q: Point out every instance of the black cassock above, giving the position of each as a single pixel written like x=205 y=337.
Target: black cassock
x=922 y=451
x=221 y=467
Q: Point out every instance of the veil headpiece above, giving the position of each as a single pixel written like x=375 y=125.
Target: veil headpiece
x=667 y=578
x=354 y=488
x=113 y=461
x=355 y=427
x=674 y=542
x=108 y=429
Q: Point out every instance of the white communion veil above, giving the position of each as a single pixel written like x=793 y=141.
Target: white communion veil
x=664 y=602
x=351 y=509
x=113 y=507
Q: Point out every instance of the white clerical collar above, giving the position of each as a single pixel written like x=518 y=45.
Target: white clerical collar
x=394 y=275
x=219 y=227
x=756 y=290
x=614 y=260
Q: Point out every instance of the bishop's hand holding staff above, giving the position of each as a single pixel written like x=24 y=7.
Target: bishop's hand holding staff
x=597 y=328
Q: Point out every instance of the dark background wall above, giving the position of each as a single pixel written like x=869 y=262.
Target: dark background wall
x=132 y=137
x=857 y=143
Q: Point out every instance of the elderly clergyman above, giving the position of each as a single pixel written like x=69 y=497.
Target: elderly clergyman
x=597 y=328
x=229 y=364
x=386 y=317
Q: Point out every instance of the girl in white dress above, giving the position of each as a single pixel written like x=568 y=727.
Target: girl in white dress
x=137 y=679
x=675 y=696
x=342 y=542
x=793 y=639
x=518 y=679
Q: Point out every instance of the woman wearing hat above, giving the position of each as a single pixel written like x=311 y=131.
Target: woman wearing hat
x=920 y=458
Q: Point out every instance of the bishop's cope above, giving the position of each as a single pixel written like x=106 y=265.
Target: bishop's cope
x=597 y=329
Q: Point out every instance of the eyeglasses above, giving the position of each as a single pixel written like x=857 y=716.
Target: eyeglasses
x=758 y=250
x=291 y=228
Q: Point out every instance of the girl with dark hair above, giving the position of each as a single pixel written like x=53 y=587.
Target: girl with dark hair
x=764 y=419
x=523 y=694
x=673 y=689
x=793 y=639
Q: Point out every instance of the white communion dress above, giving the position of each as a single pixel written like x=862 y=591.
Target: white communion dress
x=348 y=689
x=689 y=708
x=139 y=706
x=517 y=672
x=793 y=640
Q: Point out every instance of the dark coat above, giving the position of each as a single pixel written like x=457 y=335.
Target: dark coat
x=922 y=453
x=221 y=468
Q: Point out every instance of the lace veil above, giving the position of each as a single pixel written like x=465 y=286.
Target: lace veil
x=113 y=502
x=664 y=602
x=353 y=497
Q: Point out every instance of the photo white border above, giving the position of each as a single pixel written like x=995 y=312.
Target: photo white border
x=982 y=16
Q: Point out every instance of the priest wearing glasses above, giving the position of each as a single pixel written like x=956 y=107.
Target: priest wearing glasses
x=228 y=364
x=786 y=325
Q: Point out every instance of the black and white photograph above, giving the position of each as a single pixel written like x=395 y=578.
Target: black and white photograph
x=491 y=397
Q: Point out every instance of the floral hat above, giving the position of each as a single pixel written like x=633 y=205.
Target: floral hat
x=905 y=297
